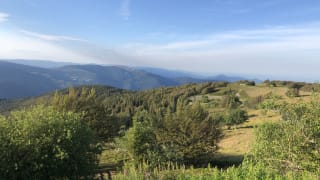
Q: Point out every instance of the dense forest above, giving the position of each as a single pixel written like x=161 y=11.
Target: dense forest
x=165 y=133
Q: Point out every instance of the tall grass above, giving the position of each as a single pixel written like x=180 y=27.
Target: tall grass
x=176 y=172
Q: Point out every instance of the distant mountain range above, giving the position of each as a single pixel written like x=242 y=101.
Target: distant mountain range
x=20 y=79
x=187 y=77
x=40 y=63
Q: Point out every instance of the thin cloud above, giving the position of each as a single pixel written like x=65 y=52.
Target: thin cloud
x=284 y=49
x=216 y=42
x=19 y=46
x=36 y=46
x=3 y=17
x=125 y=11
x=48 y=37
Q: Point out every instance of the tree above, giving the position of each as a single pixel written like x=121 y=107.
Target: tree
x=294 y=89
x=247 y=82
x=189 y=136
x=100 y=119
x=42 y=143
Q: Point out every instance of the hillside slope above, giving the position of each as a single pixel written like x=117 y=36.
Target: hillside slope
x=116 y=76
x=17 y=80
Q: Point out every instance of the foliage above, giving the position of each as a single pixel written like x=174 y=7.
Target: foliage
x=231 y=100
x=247 y=82
x=293 y=92
x=235 y=117
x=311 y=87
x=42 y=143
x=270 y=104
x=174 y=171
x=205 y=99
x=188 y=136
x=157 y=126
x=140 y=141
x=96 y=115
x=292 y=144
x=266 y=102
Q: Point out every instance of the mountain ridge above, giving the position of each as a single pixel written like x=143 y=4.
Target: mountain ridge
x=20 y=80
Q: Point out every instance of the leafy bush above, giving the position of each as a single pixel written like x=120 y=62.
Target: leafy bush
x=235 y=117
x=42 y=143
x=292 y=144
x=188 y=136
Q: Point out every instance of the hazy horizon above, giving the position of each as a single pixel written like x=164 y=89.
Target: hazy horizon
x=194 y=74
x=276 y=38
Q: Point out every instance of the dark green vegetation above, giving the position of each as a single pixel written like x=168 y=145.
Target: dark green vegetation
x=188 y=136
x=294 y=142
x=42 y=143
x=165 y=133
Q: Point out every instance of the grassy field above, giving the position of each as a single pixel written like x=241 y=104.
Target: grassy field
x=238 y=141
x=235 y=142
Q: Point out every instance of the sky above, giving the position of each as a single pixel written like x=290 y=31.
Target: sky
x=260 y=38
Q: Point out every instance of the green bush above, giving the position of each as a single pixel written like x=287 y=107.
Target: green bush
x=294 y=143
x=42 y=143
x=235 y=117
x=188 y=136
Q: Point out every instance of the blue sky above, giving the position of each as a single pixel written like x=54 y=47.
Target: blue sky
x=265 y=38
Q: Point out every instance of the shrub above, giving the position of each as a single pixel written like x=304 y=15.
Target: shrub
x=188 y=136
x=42 y=143
x=292 y=144
x=235 y=117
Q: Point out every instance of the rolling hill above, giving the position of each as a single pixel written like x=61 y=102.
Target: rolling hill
x=116 y=76
x=182 y=76
x=18 y=80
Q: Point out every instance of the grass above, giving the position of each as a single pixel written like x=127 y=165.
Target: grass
x=238 y=141
x=172 y=171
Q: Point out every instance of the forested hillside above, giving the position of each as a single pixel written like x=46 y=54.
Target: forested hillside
x=19 y=80
x=159 y=90
x=24 y=81
x=164 y=132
